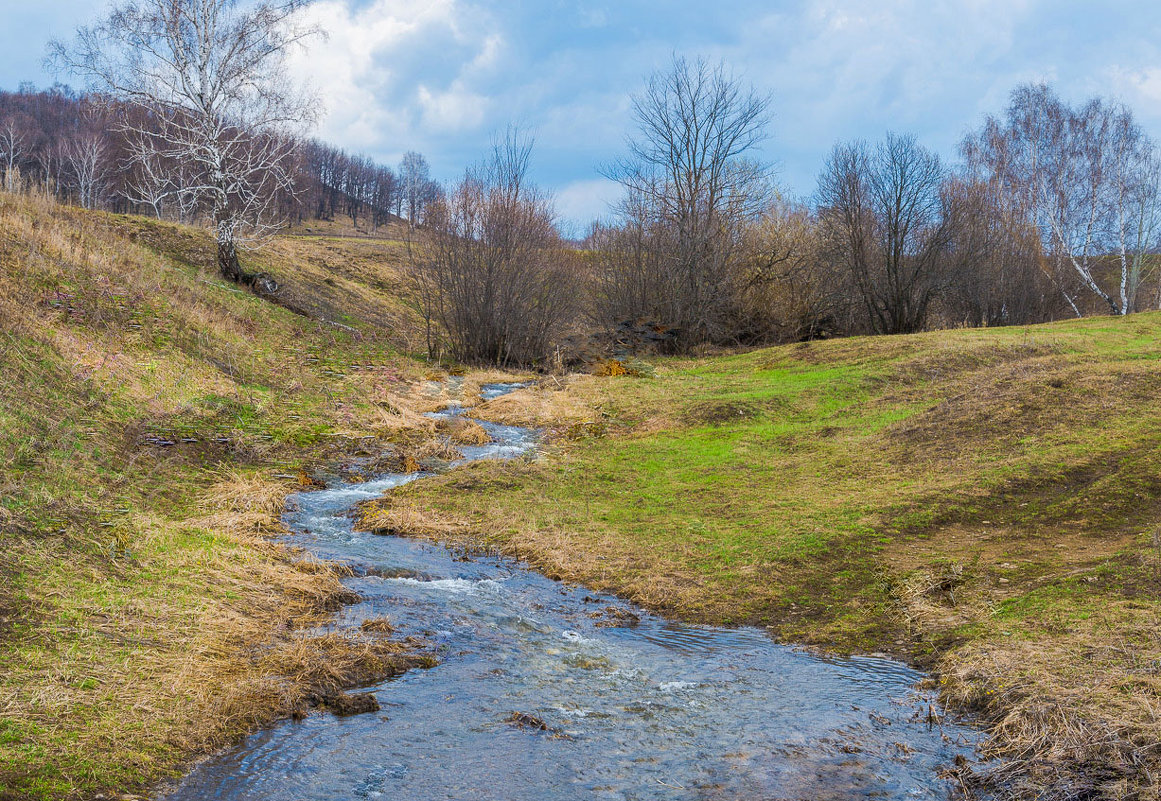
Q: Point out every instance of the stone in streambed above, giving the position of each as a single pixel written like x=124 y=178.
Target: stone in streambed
x=524 y=720
x=344 y=704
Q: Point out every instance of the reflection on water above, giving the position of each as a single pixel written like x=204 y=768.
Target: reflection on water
x=646 y=709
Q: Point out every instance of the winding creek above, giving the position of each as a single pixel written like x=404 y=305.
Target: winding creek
x=651 y=710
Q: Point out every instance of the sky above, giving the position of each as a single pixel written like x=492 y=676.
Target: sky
x=445 y=76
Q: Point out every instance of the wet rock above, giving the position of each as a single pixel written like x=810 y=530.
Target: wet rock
x=526 y=721
x=588 y=663
x=364 y=570
x=344 y=704
x=614 y=617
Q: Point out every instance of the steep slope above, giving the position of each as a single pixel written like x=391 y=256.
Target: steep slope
x=152 y=419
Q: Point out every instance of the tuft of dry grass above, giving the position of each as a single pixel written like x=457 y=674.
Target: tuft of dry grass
x=378 y=625
x=462 y=431
x=386 y=516
x=553 y=402
x=469 y=392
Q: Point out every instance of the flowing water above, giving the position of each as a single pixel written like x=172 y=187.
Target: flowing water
x=646 y=710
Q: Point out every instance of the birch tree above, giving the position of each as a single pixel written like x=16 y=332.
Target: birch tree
x=151 y=182
x=1085 y=177
x=12 y=144
x=50 y=160
x=417 y=186
x=86 y=158
x=1135 y=204
x=210 y=79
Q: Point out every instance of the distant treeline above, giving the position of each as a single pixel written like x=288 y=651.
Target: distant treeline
x=72 y=146
x=1053 y=211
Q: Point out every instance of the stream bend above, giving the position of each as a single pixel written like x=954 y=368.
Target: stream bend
x=637 y=707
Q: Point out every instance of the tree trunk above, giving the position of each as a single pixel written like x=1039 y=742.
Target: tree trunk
x=228 y=264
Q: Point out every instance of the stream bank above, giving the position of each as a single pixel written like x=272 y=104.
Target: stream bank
x=550 y=691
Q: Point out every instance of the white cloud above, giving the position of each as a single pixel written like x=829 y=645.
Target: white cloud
x=581 y=202
x=844 y=69
x=441 y=76
x=393 y=74
x=1139 y=86
x=455 y=109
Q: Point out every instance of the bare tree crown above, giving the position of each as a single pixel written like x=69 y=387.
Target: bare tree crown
x=690 y=188
x=493 y=273
x=1085 y=177
x=220 y=118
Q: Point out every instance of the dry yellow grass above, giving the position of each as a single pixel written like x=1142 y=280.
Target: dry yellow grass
x=191 y=668
x=145 y=613
x=553 y=402
x=903 y=493
x=983 y=503
x=469 y=393
x=462 y=431
x=384 y=516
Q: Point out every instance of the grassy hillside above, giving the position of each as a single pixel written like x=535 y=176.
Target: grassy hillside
x=152 y=419
x=985 y=502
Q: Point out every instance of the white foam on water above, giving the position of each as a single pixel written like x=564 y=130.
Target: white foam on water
x=454 y=586
x=348 y=494
x=575 y=713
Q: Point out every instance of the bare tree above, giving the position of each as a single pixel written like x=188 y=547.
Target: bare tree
x=13 y=141
x=1135 y=199
x=689 y=191
x=885 y=217
x=86 y=159
x=209 y=77
x=1086 y=178
x=787 y=290
x=629 y=280
x=151 y=182
x=384 y=188
x=50 y=160
x=493 y=273
x=417 y=189
x=995 y=272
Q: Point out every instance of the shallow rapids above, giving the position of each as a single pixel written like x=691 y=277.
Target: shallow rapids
x=637 y=707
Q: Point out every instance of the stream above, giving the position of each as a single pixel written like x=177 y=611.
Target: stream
x=637 y=707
